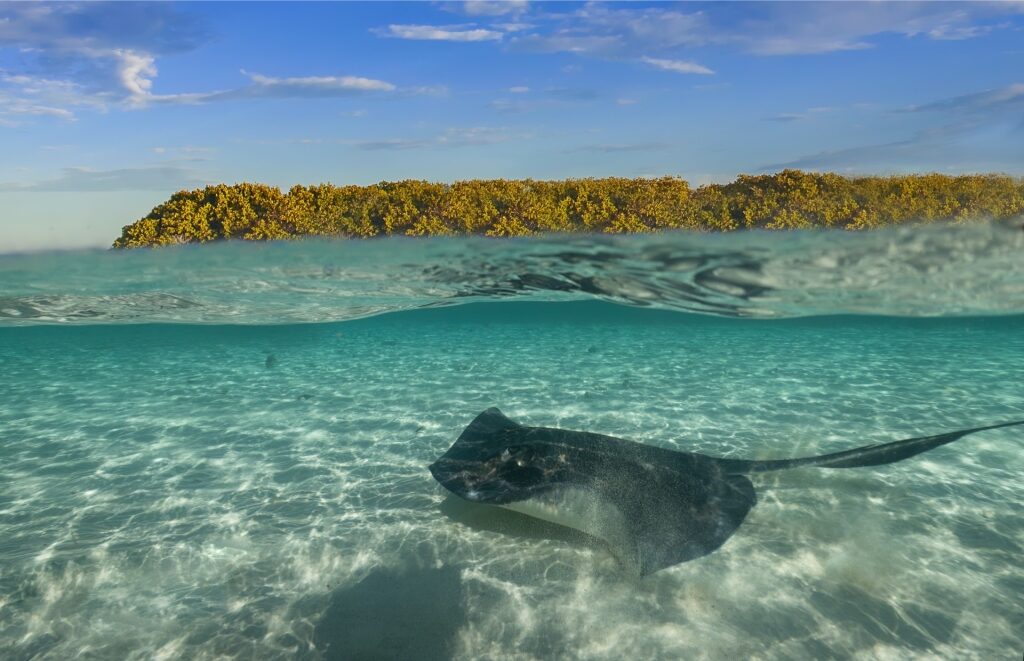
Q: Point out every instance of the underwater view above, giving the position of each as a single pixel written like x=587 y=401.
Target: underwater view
x=222 y=451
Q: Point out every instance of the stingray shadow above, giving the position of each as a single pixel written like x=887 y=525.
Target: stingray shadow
x=514 y=524
x=408 y=614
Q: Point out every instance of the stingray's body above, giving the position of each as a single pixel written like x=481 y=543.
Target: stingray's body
x=654 y=507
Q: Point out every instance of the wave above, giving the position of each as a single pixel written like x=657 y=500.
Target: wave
x=947 y=270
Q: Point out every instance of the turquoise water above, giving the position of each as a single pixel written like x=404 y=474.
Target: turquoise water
x=187 y=472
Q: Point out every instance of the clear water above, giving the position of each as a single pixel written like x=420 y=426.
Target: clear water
x=185 y=472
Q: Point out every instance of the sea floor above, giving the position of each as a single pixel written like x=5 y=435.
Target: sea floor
x=260 y=492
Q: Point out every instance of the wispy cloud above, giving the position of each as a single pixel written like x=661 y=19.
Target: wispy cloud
x=261 y=86
x=769 y=29
x=393 y=144
x=24 y=96
x=979 y=132
x=619 y=148
x=813 y=28
x=441 y=33
x=601 y=30
x=790 y=117
x=513 y=106
x=677 y=66
x=547 y=98
x=959 y=33
x=786 y=117
x=450 y=138
x=994 y=99
x=70 y=27
x=186 y=153
x=514 y=26
x=572 y=93
x=90 y=55
x=312 y=85
x=155 y=178
x=922 y=148
x=103 y=57
x=494 y=8
x=569 y=42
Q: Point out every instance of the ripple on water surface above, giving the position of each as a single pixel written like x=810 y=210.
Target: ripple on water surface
x=926 y=270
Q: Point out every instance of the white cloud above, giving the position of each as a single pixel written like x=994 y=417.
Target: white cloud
x=314 y=84
x=136 y=72
x=441 y=33
x=519 y=89
x=678 y=66
x=270 y=87
x=101 y=56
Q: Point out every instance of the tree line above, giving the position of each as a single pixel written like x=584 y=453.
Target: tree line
x=790 y=199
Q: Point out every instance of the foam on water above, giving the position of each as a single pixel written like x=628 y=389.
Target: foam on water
x=166 y=491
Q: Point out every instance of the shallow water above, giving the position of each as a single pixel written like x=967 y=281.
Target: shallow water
x=201 y=490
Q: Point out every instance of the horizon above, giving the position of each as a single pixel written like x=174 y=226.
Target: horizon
x=107 y=109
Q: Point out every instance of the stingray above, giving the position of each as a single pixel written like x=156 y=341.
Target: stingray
x=652 y=506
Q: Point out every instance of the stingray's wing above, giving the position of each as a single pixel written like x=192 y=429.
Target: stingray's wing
x=653 y=507
x=689 y=517
x=488 y=432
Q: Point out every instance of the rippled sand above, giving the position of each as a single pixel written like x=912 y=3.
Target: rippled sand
x=171 y=492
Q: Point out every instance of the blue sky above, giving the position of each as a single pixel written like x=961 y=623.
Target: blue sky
x=105 y=109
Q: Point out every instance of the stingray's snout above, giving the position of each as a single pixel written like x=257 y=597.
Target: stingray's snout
x=454 y=478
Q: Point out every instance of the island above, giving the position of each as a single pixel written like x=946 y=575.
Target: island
x=790 y=199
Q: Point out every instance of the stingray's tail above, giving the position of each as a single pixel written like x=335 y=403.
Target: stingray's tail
x=869 y=455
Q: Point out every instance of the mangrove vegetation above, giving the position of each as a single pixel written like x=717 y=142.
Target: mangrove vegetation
x=790 y=199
